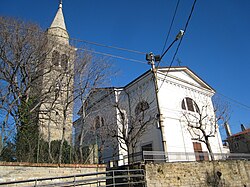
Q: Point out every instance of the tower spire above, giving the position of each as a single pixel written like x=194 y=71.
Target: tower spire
x=58 y=26
x=59 y=18
x=60 y=3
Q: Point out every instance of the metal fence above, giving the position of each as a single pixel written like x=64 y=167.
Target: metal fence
x=160 y=156
x=126 y=177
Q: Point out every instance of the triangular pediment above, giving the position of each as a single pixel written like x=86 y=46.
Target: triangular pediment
x=184 y=75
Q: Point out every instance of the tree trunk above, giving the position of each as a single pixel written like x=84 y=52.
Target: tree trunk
x=81 y=142
x=63 y=135
x=49 y=141
x=209 y=148
x=129 y=154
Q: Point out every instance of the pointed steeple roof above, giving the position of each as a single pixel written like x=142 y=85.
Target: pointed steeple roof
x=58 y=27
x=59 y=19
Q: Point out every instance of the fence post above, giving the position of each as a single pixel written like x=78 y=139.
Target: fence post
x=113 y=173
x=142 y=156
x=129 y=177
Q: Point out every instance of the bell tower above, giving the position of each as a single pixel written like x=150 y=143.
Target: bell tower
x=56 y=112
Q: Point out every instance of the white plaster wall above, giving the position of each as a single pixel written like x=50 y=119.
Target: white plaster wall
x=171 y=94
x=144 y=89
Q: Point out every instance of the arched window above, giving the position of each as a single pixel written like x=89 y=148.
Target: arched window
x=141 y=107
x=55 y=58
x=190 y=105
x=64 y=61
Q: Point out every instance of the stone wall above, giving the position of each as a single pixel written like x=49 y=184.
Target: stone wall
x=231 y=173
x=24 y=171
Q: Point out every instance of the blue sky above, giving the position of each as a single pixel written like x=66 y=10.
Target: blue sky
x=215 y=46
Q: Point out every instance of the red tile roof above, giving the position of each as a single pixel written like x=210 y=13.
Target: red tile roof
x=243 y=132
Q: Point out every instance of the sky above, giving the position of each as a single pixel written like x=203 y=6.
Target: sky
x=215 y=45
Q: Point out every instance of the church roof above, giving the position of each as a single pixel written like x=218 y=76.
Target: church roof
x=181 y=73
x=241 y=133
x=185 y=75
x=58 y=21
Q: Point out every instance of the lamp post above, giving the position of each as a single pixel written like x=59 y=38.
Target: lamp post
x=151 y=58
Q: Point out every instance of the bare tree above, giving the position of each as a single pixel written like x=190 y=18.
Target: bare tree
x=33 y=88
x=130 y=129
x=89 y=72
x=23 y=52
x=202 y=122
x=126 y=119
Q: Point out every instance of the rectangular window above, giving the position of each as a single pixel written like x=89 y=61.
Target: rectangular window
x=197 y=146
x=148 y=157
x=199 y=154
x=147 y=147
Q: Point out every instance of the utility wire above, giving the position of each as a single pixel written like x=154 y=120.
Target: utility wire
x=86 y=41
x=185 y=29
x=163 y=53
x=113 y=56
x=170 y=28
x=235 y=101
x=108 y=46
x=97 y=44
x=139 y=52
x=176 y=51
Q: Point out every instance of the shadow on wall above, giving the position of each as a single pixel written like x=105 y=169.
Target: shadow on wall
x=215 y=179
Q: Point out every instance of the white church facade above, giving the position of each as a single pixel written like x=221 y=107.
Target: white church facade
x=152 y=114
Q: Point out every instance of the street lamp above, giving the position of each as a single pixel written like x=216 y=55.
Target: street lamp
x=151 y=58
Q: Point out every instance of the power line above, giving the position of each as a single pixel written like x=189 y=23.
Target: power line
x=176 y=51
x=185 y=29
x=235 y=101
x=169 y=30
x=108 y=46
x=139 y=52
x=97 y=44
x=86 y=41
x=113 y=56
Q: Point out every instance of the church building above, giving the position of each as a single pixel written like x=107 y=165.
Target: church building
x=152 y=114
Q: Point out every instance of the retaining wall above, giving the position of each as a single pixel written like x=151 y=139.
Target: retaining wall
x=233 y=173
x=24 y=171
